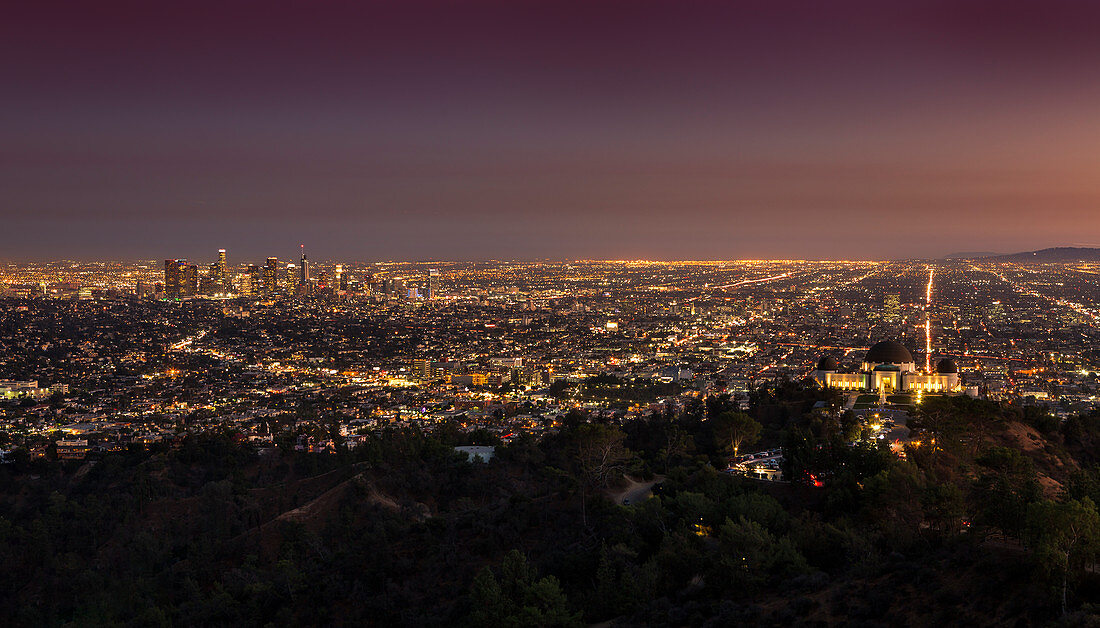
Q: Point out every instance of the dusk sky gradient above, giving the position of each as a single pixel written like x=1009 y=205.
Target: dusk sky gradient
x=610 y=130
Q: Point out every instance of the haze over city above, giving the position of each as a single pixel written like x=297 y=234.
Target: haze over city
x=563 y=130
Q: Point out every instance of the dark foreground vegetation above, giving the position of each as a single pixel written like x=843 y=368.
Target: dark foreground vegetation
x=994 y=524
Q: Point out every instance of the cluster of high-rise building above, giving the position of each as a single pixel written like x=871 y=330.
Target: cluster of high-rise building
x=183 y=279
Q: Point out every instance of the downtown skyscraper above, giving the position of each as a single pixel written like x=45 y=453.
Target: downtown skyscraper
x=303 y=280
x=175 y=271
x=271 y=275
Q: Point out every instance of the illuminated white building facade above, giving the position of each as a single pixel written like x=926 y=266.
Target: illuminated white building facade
x=888 y=366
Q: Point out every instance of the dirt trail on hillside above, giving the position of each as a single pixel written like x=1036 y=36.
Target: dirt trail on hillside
x=635 y=490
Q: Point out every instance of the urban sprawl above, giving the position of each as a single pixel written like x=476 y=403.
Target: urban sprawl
x=99 y=357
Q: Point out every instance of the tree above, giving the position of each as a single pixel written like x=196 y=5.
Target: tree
x=1006 y=489
x=601 y=456
x=850 y=428
x=736 y=429
x=717 y=405
x=675 y=443
x=892 y=498
x=937 y=416
x=622 y=584
x=600 y=452
x=1066 y=537
x=1083 y=483
x=518 y=598
x=750 y=554
x=944 y=507
x=983 y=419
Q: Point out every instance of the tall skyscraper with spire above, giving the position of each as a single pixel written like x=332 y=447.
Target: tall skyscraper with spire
x=303 y=282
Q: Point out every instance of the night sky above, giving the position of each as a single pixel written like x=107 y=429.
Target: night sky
x=522 y=129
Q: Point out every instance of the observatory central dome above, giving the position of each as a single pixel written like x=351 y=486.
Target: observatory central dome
x=946 y=366
x=888 y=352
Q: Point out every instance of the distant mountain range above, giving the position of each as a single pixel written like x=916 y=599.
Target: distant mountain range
x=1055 y=254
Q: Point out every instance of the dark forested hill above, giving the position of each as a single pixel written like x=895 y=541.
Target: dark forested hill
x=971 y=528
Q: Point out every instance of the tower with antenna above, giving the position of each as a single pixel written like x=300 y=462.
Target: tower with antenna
x=304 y=278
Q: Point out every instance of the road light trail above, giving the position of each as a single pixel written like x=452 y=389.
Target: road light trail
x=928 y=322
x=927 y=345
x=928 y=289
x=862 y=277
x=743 y=282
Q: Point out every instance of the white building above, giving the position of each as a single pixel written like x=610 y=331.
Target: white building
x=888 y=366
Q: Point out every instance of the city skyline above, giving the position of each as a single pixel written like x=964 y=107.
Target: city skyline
x=480 y=130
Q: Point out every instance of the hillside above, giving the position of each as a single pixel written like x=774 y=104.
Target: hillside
x=1051 y=255
x=402 y=531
